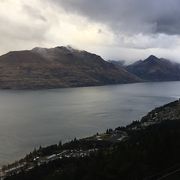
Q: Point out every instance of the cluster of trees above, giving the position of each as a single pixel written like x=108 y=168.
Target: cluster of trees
x=147 y=154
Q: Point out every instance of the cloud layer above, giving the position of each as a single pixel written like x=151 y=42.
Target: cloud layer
x=115 y=29
x=130 y=16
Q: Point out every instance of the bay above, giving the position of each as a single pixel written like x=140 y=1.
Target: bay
x=29 y=119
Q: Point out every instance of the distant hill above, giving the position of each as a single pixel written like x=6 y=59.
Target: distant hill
x=58 y=67
x=155 y=69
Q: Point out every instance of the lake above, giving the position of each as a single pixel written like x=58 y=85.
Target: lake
x=29 y=119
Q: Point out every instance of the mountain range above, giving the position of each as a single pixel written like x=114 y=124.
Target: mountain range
x=60 y=67
x=155 y=69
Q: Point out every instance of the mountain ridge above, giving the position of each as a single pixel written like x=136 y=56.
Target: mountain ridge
x=155 y=69
x=58 y=67
x=62 y=67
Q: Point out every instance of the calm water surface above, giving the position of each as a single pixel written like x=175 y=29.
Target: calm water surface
x=29 y=119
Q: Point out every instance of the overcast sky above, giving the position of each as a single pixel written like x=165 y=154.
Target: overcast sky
x=114 y=29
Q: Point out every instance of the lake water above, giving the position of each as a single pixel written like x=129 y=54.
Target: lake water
x=29 y=119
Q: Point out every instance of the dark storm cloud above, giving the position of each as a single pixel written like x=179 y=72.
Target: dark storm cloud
x=129 y=16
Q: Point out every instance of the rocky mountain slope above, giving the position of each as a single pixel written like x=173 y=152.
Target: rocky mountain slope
x=155 y=69
x=58 y=67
